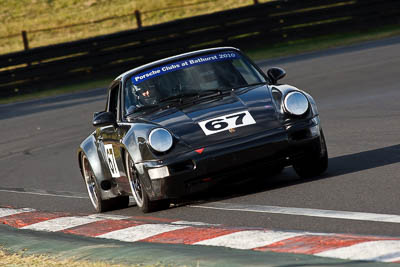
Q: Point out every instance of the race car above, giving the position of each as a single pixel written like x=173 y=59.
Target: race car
x=182 y=124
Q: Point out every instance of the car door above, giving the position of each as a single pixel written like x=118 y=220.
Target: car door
x=109 y=139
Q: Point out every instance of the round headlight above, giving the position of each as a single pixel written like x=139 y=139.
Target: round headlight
x=296 y=103
x=160 y=140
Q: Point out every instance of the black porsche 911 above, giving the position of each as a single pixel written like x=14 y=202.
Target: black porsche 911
x=179 y=125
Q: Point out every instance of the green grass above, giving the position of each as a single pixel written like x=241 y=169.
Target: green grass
x=32 y=15
x=8 y=259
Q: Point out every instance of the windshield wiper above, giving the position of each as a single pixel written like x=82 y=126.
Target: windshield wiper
x=210 y=92
x=140 y=108
x=178 y=97
x=193 y=94
x=248 y=85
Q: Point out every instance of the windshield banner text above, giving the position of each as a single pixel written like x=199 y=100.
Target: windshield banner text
x=141 y=77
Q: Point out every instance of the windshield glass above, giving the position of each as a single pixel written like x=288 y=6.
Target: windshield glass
x=187 y=78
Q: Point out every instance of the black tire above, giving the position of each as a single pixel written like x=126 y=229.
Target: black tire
x=138 y=192
x=314 y=163
x=93 y=188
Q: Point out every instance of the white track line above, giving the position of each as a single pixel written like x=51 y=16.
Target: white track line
x=41 y=194
x=109 y=216
x=194 y=223
x=347 y=215
x=139 y=232
x=384 y=251
x=248 y=239
x=61 y=223
x=7 y=212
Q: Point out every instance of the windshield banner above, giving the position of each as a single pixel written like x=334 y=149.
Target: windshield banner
x=141 y=77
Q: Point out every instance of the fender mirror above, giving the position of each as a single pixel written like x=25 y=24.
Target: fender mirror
x=103 y=118
x=275 y=74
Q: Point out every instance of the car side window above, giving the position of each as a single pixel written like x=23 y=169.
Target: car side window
x=113 y=101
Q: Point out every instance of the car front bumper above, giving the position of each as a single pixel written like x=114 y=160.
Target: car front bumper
x=201 y=168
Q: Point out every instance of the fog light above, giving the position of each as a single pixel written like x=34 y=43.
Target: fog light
x=158 y=173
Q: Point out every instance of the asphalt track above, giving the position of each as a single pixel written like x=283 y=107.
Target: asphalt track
x=357 y=91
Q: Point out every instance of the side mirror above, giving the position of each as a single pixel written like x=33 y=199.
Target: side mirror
x=103 y=119
x=275 y=74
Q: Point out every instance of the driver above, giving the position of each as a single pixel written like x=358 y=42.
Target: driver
x=146 y=93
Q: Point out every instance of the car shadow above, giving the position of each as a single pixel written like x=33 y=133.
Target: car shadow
x=340 y=165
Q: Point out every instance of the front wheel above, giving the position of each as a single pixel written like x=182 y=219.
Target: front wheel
x=138 y=192
x=93 y=189
x=315 y=162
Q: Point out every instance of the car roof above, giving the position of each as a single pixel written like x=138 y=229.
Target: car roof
x=128 y=73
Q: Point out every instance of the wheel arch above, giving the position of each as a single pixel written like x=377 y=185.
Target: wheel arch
x=89 y=149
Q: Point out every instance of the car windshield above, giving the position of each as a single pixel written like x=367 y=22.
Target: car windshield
x=196 y=76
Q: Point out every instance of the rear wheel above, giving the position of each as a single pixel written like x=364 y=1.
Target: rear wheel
x=314 y=163
x=93 y=190
x=138 y=191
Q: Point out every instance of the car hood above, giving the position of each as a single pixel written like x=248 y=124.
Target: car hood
x=183 y=121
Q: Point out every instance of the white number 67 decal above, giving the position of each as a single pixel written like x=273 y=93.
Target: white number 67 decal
x=226 y=122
